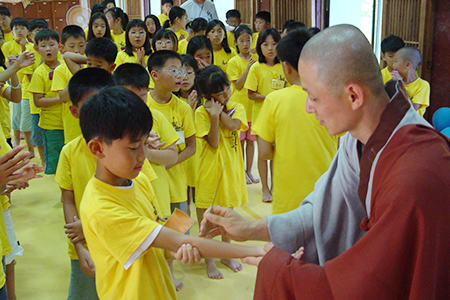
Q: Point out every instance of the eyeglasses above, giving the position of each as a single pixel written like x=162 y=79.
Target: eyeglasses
x=160 y=43
x=175 y=72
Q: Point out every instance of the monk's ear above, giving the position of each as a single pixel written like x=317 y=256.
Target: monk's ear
x=97 y=146
x=355 y=93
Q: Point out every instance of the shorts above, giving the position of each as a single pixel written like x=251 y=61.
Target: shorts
x=17 y=250
x=36 y=137
x=246 y=135
x=16 y=114
x=53 y=143
x=21 y=119
x=81 y=286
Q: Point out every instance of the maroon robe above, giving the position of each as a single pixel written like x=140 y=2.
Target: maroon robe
x=405 y=253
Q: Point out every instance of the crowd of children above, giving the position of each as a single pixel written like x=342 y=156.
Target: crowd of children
x=141 y=118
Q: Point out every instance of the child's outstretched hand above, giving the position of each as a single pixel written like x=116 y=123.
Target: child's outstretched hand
x=299 y=253
x=12 y=161
x=213 y=107
x=256 y=260
x=74 y=230
x=187 y=255
x=192 y=99
x=28 y=172
x=25 y=59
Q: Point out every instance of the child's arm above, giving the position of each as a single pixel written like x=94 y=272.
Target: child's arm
x=167 y=156
x=252 y=95
x=64 y=95
x=229 y=122
x=239 y=84
x=186 y=153
x=85 y=259
x=25 y=59
x=74 y=61
x=41 y=101
x=73 y=224
x=214 y=108
x=265 y=149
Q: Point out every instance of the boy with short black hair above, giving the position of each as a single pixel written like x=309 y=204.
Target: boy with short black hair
x=73 y=40
x=47 y=42
x=389 y=46
x=166 y=6
x=109 y=4
x=5 y=19
x=262 y=21
x=233 y=17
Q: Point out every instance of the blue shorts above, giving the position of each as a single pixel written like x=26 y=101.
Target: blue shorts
x=81 y=286
x=53 y=143
x=36 y=137
x=21 y=119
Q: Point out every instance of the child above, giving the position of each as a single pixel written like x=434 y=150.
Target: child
x=237 y=70
x=165 y=40
x=51 y=105
x=109 y=4
x=5 y=19
x=73 y=40
x=166 y=6
x=117 y=21
x=100 y=53
x=116 y=124
x=201 y=49
x=265 y=76
x=98 y=27
x=221 y=167
x=262 y=21
x=165 y=68
x=177 y=22
x=406 y=61
x=233 y=17
x=389 y=46
x=216 y=33
x=72 y=177
x=137 y=48
x=21 y=119
x=279 y=138
x=196 y=27
x=153 y=25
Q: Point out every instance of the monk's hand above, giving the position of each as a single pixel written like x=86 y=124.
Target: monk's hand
x=187 y=255
x=299 y=253
x=224 y=221
x=256 y=260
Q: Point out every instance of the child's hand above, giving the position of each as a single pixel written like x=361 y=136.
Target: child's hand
x=74 y=230
x=201 y=63
x=86 y=263
x=396 y=75
x=182 y=37
x=28 y=172
x=192 y=99
x=250 y=63
x=12 y=187
x=12 y=161
x=299 y=253
x=153 y=141
x=23 y=42
x=256 y=260
x=25 y=59
x=140 y=53
x=215 y=108
x=187 y=255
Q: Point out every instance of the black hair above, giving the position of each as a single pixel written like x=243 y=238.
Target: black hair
x=213 y=23
x=114 y=113
x=86 y=81
x=240 y=30
x=166 y=1
x=296 y=26
x=211 y=80
x=37 y=23
x=189 y=60
x=158 y=59
x=133 y=75
x=157 y=24
x=95 y=17
x=117 y=12
x=128 y=46
x=2 y=56
x=4 y=11
x=286 y=24
x=198 y=24
x=45 y=35
x=263 y=15
x=262 y=38
x=392 y=44
x=313 y=31
x=233 y=13
x=197 y=43
x=97 y=8
x=175 y=12
x=106 y=2
x=290 y=47
x=19 y=22
x=71 y=31
x=165 y=34
x=102 y=47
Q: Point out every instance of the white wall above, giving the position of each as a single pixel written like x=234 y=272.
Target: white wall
x=354 y=12
x=155 y=7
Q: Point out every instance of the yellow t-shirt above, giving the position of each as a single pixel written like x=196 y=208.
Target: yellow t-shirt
x=226 y=159
x=419 y=92
x=8 y=37
x=162 y=19
x=115 y=223
x=119 y=39
x=71 y=125
x=86 y=32
x=76 y=166
x=29 y=71
x=179 y=33
x=264 y=79
x=230 y=39
x=235 y=68
x=5 y=119
x=303 y=148
x=221 y=58
x=179 y=114
x=191 y=164
x=165 y=131
x=386 y=75
x=51 y=117
x=182 y=46
x=123 y=57
x=255 y=37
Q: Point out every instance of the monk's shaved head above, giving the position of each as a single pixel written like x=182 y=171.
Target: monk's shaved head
x=342 y=54
x=411 y=54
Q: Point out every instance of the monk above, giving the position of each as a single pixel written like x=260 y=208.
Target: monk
x=375 y=226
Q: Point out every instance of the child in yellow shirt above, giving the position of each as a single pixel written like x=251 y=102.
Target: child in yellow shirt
x=233 y=17
x=153 y=25
x=237 y=71
x=117 y=21
x=5 y=24
x=290 y=136
x=137 y=47
x=201 y=49
x=165 y=39
x=51 y=105
x=166 y=6
x=265 y=76
x=130 y=260
x=73 y=40
x=390 y=46
x=221 y=177
x=262 y=21
x=406 y=61
x=177 y=20
x=217 y=34
x=98 y=27
x=196 y=27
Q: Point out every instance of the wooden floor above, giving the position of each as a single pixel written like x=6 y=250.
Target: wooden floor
x=43 y=271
